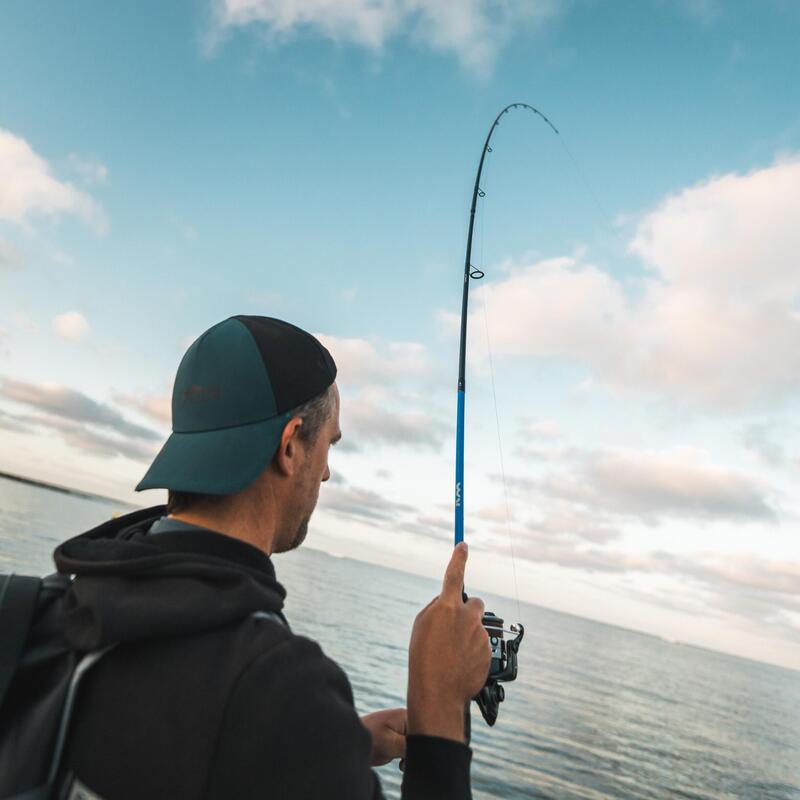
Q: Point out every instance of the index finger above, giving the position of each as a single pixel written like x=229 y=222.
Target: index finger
x=453 y=583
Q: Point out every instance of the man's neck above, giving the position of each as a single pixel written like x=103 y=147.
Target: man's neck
x=256 y=529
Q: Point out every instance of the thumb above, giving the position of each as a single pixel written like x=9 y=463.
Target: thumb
x=453 y=583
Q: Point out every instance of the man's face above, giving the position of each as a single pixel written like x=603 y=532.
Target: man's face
x=311 y=476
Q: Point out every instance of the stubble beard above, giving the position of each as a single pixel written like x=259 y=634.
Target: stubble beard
x=300 y=534
x=295 y=539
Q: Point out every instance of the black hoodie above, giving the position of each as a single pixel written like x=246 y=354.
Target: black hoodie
x=201 y=699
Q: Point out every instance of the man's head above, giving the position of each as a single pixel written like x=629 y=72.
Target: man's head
x=255 y=409
x=302 y=463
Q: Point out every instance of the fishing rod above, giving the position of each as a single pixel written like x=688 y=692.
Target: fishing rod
x=503 y=665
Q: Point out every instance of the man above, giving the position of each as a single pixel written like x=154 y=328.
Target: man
x=207 y=693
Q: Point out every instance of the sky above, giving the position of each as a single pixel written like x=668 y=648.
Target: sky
x=633 y=368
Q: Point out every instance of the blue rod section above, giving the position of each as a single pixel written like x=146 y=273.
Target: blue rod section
x=460 y=468
x=469 y=274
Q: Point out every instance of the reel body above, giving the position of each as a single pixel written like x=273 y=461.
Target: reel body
x=503 y=665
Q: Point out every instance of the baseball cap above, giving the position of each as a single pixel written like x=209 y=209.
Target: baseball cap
x=234 y=392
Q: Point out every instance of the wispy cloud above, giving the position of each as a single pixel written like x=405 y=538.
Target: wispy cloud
x=24 y=322
x=12 y=422
x=10 y=256
x=361 y=504
x=386 y=392
x=542 y=429
x=71 y=326
x=765 y=441
x=757 y=592
x=156 y=406
x=373 y=362
x=370 y=417
x=28 y=188
x=69 y=404
x=353 y=502
x=95 y=442
x=473 y=30
x=651 y=486
x=774 y=578
x=90 y=170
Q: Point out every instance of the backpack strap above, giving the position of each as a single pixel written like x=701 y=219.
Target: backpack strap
x=84 y=665
x=18 y=596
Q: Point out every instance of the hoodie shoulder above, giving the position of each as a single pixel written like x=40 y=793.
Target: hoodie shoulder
x=291 y=730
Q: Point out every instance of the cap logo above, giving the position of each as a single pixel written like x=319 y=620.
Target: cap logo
x=201 y=394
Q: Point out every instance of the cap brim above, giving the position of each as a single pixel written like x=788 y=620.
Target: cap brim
x=215 y=462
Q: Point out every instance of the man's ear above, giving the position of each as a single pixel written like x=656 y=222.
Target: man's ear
x=287 y=458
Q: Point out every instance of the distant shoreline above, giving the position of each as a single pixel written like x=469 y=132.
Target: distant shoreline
x=54 y=487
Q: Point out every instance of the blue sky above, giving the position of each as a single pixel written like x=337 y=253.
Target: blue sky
x=163 y=166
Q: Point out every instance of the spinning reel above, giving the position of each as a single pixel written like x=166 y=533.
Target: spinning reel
x=503 y=666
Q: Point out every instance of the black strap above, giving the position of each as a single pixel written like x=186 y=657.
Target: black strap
x=18 y=596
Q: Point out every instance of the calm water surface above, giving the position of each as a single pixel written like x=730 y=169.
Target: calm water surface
x=597 y=712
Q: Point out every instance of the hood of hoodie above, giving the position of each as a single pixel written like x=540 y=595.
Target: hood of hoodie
x=131 y=586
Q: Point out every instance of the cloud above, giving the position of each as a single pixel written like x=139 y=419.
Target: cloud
x=361 y=361
x=28 y=189
x=24 y=322
x=650 y=486
x=492 y=513
x=714 y=321
x=360 y=503
x=761 y=439
x=742 y=571
x=386 y=389
x=538 y=441
x=11 y=422
x=71 y=325
x=95 y=442
x=370 y=418
x=679 y=484
x=69 y=404
x=761 y=591
x=90 y=171
x=566 y=522
x=10 y=256
x=365 y=505
x=544 y=549
x=733 y=234
x=555 y=307
x=157 y=407
x=99 y=444
x=472 y=30
x=542 y=429
x=774 y=581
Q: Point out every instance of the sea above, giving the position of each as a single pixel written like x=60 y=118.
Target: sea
x=597 y=711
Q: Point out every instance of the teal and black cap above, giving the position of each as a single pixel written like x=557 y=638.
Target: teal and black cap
x=234 y=392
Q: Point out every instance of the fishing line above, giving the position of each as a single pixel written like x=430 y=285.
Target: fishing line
x=500 y=450
x=580 y=173
x=504 y=661
x=484 y=293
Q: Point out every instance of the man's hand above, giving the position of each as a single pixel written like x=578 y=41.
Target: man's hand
x=388 y=730
x=448 y=657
